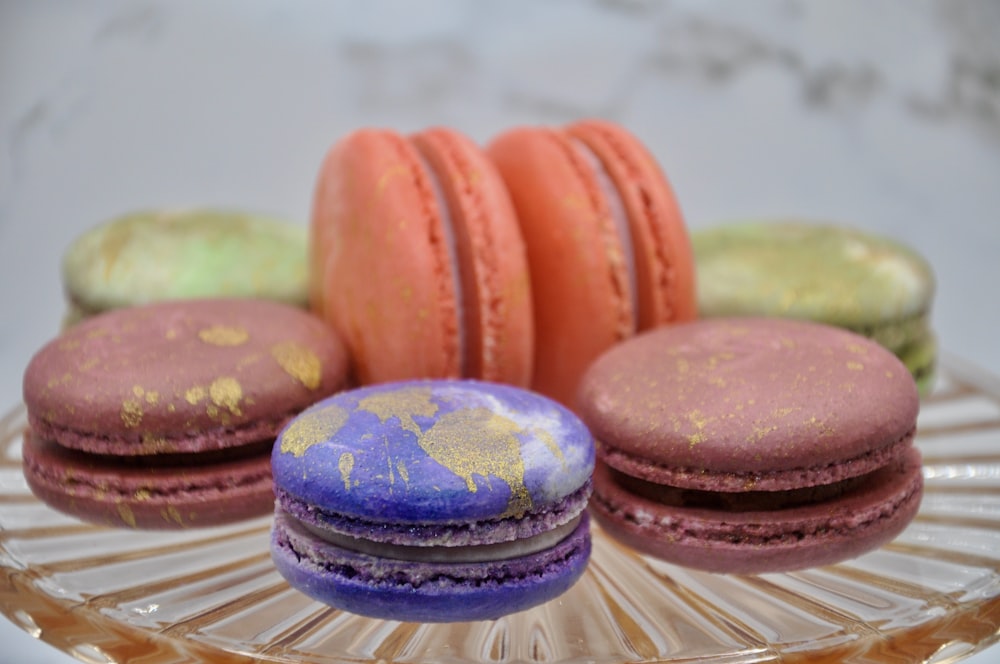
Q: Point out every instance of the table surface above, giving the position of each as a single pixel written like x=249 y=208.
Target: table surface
x=826 y=111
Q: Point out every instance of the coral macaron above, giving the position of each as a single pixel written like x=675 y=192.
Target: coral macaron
x=416 y=259
x=164 y=415
x=433 y=500
x=519 y=263
x=753 y=445
x=607 y=247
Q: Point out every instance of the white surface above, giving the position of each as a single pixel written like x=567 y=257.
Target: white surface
x=883 y=115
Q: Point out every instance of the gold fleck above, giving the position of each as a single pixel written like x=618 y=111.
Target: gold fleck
x=299 y=362
x=126 y=515
x=222 y=335
x=226 y=393
x=172 y=515
x=194 y=395
x=152 y=397
x=402 y=404
x=551 y=444
x=171 y=334
x=855 y=366
x=312 y=427
x=138 y=391
x=493 y=450
x=88 y=365
x=153 y=441
x=131 y=413
x=59 y=380
x=403 y=472
x=759 y=432
x=387 y=177
x=245 y=362
x=142 y=495
x=115 y=239
x=346 y=465
x=695 y=438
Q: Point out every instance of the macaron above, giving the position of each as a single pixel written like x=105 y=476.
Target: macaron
x=416 y=259
x=519 y=264
x=433 y=500
x=156 y=255
x=607 y=247
x=828 y=273
x=749 y=445
x=163 y=416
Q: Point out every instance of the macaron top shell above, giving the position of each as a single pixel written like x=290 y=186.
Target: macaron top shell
x=417 y=261
x=830 y=273
x=181 y=376
x=749 y=396
x=434 y=452
x=179 y=254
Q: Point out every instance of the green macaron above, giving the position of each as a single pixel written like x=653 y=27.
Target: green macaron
x=184 y=254
x=828 y=273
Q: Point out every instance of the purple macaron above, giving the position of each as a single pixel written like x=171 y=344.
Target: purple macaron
x=433 y=501
x=753 y=445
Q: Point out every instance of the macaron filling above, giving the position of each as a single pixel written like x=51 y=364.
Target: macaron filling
x=450 y=554
x=616 y=206
x=448 y=226
x=451 y=534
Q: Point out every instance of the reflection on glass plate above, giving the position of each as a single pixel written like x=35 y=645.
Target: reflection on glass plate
x=107 y=595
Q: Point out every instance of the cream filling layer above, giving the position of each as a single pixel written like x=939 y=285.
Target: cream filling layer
x=616 y=205
x=450 y=554
x=448 y=227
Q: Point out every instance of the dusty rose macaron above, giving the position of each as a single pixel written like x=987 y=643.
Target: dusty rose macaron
x=163 y=416
x=753 y=445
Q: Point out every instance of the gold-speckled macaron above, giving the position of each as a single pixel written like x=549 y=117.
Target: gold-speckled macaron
x=164 y=415
x=827 y=273
x=159 y=255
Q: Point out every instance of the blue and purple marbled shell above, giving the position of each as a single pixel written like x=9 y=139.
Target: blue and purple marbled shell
x=434 y=453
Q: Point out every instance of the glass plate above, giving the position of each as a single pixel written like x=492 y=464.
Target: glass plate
x=106 y=595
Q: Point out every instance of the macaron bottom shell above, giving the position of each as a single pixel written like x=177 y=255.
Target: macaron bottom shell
x=425 y=592
x=754 y=542
x=153 y=496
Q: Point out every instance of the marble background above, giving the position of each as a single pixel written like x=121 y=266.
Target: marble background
x=882 y=114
